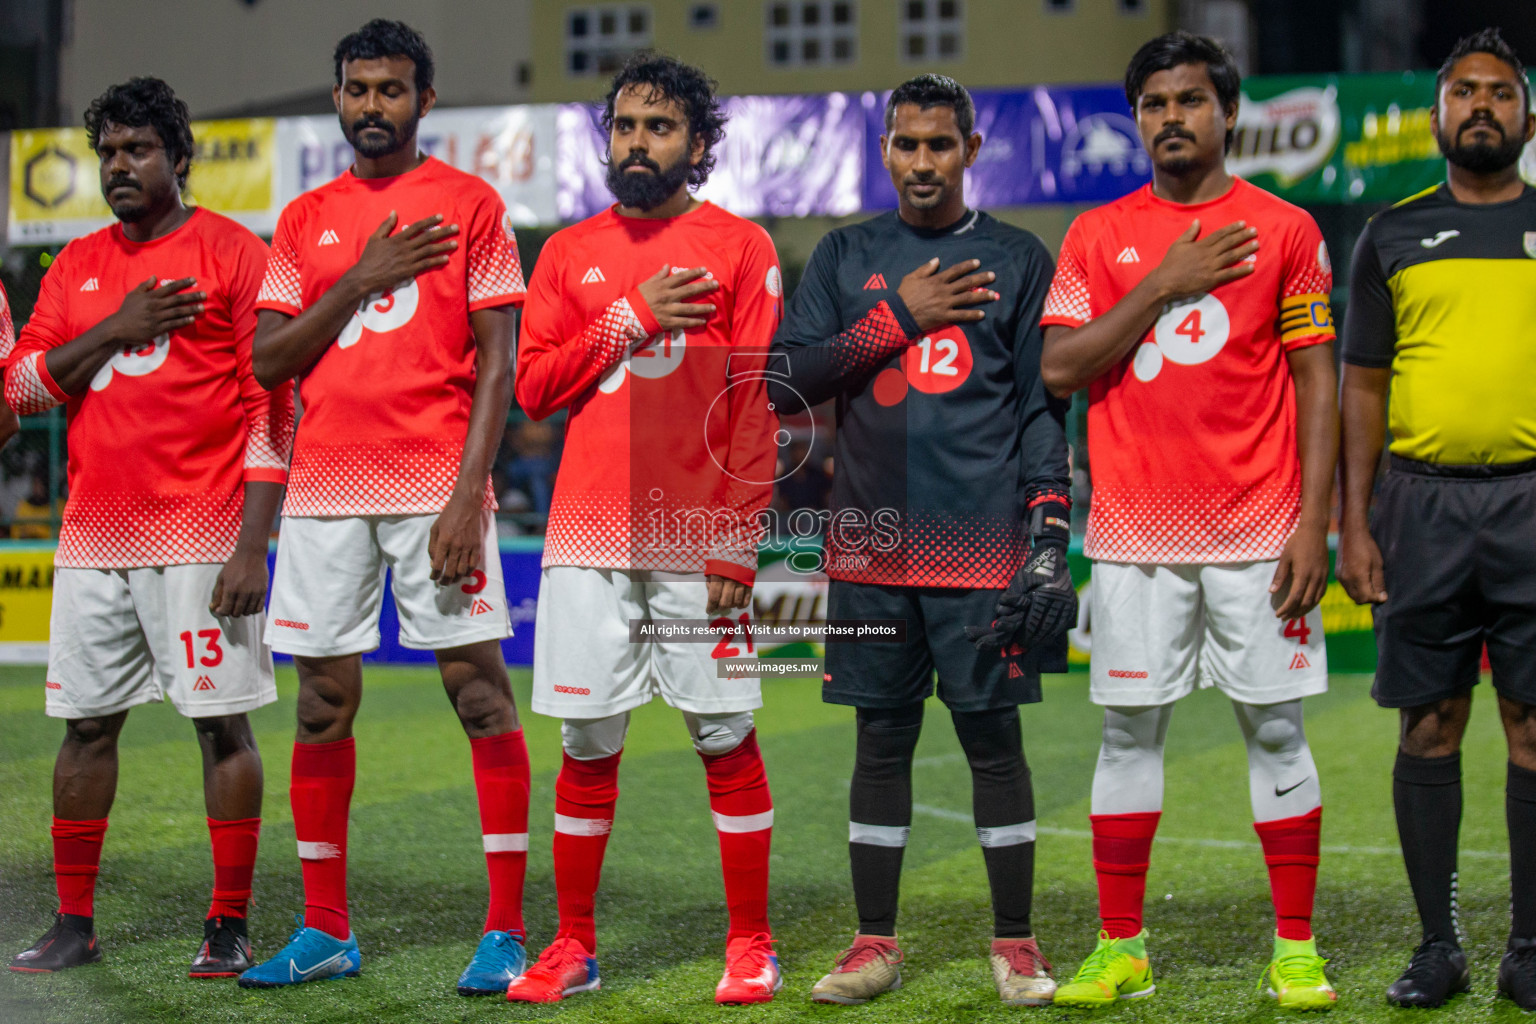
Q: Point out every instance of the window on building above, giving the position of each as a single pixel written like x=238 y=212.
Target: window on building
x=600 y=37
x=812 y=33
x=1060 y=6
x=932 y=29
x=703 y=16
x=1132 y=7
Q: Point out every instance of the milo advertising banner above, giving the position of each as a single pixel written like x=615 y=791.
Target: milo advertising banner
x=1342 y=138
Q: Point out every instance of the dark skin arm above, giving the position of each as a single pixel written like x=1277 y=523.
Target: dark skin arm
x=286 y=346
x=1076 y=356
x=241 y=588
x=147 y=312
x=1302 y=575
x=457 y=543
x=1363 y=398
x=10 y=424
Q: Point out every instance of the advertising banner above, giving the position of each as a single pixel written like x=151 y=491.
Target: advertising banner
x=1049 y=144
x=513 y=148
x=790 y=592
x=783 y=156
x=55 y=192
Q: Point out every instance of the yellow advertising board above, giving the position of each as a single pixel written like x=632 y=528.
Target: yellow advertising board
x=26 y=597
x=56 y=187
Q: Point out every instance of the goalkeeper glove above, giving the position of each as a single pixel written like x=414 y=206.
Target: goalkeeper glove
x=1041 y=601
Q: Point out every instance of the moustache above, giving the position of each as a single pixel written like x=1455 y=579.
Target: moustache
x=373 y=122
x=1480 y=120
x=637 y=160
x=1172 y=133
x=922 y=179
x=113 y=183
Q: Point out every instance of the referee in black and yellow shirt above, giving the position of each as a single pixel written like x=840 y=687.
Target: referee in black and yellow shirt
x=1442 y=319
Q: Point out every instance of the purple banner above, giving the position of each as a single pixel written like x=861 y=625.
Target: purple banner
x=783 y=156
x=1048 y=144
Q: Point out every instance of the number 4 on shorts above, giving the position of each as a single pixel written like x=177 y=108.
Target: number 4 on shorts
x=1297 y=629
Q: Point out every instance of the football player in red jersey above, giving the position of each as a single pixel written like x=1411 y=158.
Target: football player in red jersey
x=668 y=461
x=1195 y=312
x=9 y=424
x=391 y=294
x=162 y=559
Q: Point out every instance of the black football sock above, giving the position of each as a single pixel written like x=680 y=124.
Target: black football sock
x=1003 y=802
x=880 y=811
x=1520 y=811
x=1426 y=793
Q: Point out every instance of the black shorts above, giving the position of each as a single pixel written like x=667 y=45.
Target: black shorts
x=1458 y=545
x=893 y=675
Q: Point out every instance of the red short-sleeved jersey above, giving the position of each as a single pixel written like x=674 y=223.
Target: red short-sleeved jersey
x=1192 y=438
x=386 y=407
x=7 y=330
x=162 y=440
x=669 y=453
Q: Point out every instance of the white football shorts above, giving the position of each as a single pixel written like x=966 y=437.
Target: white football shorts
x=584 y=665
x=328 y=588
x=1159 y=631
x=121 y=637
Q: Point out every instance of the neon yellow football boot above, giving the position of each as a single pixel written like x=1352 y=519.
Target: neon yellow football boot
x=1116 y=969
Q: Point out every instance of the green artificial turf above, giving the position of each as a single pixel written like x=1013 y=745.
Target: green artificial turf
x=418 y=883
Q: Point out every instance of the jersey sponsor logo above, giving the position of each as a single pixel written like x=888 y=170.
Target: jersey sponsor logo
x=380 y=313
x=480 y=607
x=1125 y=673
x=774 y=283
x=91 y=285
x=594 y=275
x=577 y=691
x=653 y=359
x=328 y=237
x=1529 y=243
x=876 y=283
x=1440 y=236
x=134 y=361
x=1300 y=661
x=203 y=683
x=1128 y=255
x=51 y=685
x=1323 y=262
x=475 y=583
x=1190 y=332
x=290 y=624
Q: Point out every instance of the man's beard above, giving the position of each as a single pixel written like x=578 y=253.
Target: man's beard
x=646 y=191
x=373 y=148
x=1482 y=157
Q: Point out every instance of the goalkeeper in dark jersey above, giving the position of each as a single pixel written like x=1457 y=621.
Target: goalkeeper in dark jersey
x=949 y=511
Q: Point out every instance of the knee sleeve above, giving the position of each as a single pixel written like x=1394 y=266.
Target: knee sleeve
x=880 y=793
x=1002 y=794
x=714 y=735
x=1129 y=776
x=587 y=739
x=1282 y=777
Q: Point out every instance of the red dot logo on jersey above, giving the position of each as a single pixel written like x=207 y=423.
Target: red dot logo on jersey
x=937 y=362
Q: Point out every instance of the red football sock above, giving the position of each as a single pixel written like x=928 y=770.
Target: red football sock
x=234 y=862
x=743 y=813
x=1291 y=847
x=585 y=795
x=321 y=791
x=76 y=860
x=501 y=783
x=1122 y=850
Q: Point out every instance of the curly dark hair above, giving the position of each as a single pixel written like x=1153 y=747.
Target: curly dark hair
x=1169 y=51
x=663 y=77
x=384 y=38
x=145 y=102
x=928 y=91
x=1487 y=41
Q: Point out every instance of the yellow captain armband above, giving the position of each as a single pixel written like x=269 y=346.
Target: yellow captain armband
x=1305 y=316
